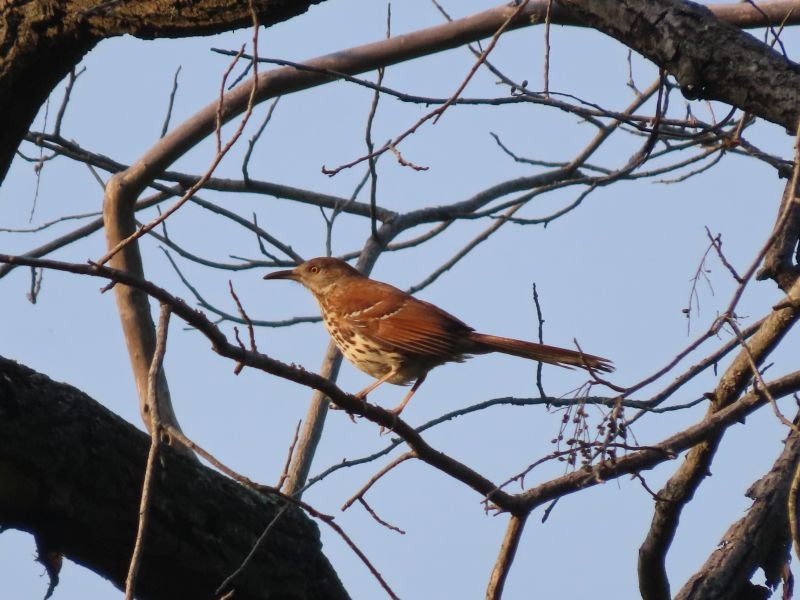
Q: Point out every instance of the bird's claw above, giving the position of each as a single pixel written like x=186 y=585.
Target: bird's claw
x=395 y=415
x=359 y=396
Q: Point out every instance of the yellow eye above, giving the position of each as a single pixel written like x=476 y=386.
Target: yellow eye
x=314 y=270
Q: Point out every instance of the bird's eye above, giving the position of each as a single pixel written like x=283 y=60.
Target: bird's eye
x=314 y=270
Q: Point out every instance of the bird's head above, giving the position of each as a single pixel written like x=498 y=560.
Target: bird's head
x=317 y=274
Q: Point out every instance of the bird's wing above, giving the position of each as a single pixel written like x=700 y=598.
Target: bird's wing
x=409 y=325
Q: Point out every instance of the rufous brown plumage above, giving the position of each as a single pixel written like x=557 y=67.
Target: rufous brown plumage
x=395 y=337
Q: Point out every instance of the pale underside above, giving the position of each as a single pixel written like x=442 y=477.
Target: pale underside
x=400 y=334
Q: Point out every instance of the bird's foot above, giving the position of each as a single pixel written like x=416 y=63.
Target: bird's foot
x=359 y=396
x=363 y=398
x=395 y=412
x=336 y=407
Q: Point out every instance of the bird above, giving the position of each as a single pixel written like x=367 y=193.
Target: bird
x=397 y=338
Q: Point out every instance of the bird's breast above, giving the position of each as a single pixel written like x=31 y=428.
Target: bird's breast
x=367 y=355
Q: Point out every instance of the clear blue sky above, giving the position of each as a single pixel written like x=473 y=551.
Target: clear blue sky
x=614 y=274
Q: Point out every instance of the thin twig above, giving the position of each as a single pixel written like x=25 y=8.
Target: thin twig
x=226 y=587
x=155 y=441
x=375 y=516
x=546 y=89
x=251 y=143
x=221 y=152
x=373 y=109
x=439 y=111
x=73 y=77
x=289 y=454
x=36 y=284
x=762 y=386
x=245 y=317
x=170 y=102
x=374 y=479
x=269 y=490
x=469 y=247
x=540 y=331
x=225 y=316
x=716 y=241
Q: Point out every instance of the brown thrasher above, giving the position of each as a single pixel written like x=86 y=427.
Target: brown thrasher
x=394 y=337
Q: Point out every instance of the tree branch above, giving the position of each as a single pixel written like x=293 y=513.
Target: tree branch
x=680 y=488
x=760 y=539
x=84 y=502
x=43 y=40
x=705 y=54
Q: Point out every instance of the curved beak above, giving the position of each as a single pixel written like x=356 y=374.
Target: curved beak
x=288 y=274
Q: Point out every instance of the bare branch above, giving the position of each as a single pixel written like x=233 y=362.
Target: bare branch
x=251 y=143
x=374 y=479
x=288 y=499
x=375 y=516
x=505 y=558
x=682 y=485
x=221 y=152
x=289 y=454
x=155 y=442
x=759 y=540
x=170 y=102
x=73 y=77
x=439 y=111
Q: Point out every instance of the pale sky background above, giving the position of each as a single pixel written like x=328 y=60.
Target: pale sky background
x=615 y=274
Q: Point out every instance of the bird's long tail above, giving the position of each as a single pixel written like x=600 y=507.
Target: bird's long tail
x=541 y=352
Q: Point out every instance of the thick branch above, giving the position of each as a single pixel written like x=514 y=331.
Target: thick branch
x=782 y=259
x=48 y=38
x=760 y=539
x=40 y=41
x=77 y=490
x=134 y=309
x=710 y=59
x=505 y=558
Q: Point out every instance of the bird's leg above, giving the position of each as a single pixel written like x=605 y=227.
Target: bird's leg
x=399 y=408
x=363 y=393
x=395 y=412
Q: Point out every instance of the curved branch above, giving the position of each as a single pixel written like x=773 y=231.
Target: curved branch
x=43 y=40
x=134 y=307
x=682 y=485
